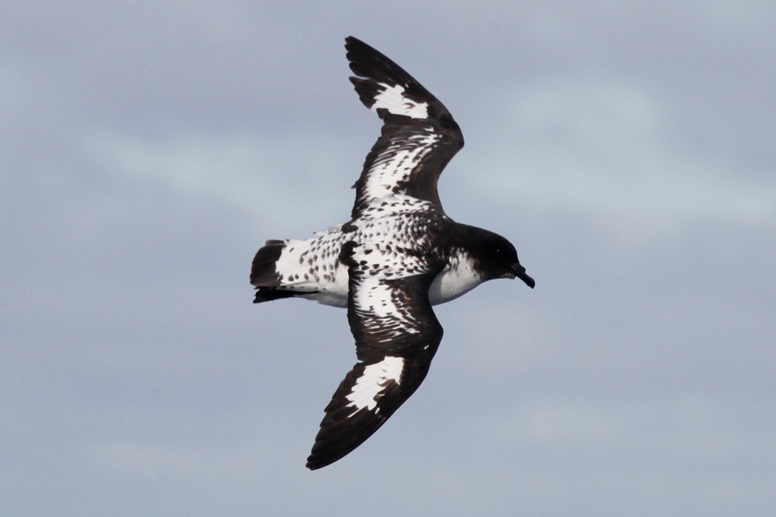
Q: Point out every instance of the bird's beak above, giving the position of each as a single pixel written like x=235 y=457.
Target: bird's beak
x=522 y=275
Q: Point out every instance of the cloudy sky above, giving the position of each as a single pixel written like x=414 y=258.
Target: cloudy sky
x=147 y=149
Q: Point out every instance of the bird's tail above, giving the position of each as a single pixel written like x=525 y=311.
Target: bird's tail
x=264 y=273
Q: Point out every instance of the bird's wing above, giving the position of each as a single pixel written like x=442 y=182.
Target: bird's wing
x=397 y=335
x=419 y=136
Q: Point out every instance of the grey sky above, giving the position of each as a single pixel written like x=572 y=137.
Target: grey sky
x=148 y=149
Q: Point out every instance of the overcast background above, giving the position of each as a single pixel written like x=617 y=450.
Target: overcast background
x=147 y=149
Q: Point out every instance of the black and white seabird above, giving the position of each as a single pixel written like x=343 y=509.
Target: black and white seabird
x=397 y=256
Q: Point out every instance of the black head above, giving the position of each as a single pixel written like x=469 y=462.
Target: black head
x=496 y=258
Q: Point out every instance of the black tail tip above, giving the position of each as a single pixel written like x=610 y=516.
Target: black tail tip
x=268 y=295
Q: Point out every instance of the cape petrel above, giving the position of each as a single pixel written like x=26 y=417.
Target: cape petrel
x=398 y=255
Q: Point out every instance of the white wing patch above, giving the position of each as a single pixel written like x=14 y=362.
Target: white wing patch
x=392 y=99
x=395 y=164
x=373 y=381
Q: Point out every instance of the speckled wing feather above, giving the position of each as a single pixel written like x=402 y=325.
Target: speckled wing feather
x=419 y=136
x=397 y=335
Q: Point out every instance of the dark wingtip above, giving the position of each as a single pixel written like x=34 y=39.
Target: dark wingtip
x=315 y=463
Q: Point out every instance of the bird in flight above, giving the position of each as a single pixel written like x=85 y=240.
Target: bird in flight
x=397 y=256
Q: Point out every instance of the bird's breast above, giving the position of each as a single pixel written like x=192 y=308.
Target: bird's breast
x=457 y=279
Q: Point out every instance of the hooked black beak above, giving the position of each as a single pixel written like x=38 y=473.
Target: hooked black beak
x=522 y=275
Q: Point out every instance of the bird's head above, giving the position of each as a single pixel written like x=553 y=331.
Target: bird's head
x=497 y=258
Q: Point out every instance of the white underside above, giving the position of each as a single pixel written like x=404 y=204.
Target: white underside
x=453 y=282
x=450 y=284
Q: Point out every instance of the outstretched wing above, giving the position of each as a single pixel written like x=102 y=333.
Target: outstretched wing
x=419 y=136
x=397 y=335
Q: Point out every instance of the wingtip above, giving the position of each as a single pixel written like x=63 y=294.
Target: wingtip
x=318 y=461
x=354 y=45
x=351 y=41
x=311 y=465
